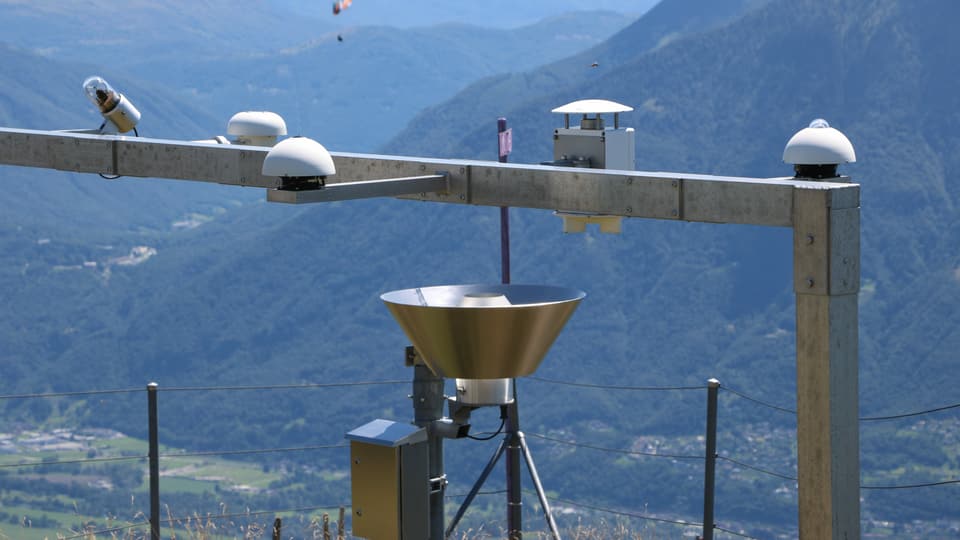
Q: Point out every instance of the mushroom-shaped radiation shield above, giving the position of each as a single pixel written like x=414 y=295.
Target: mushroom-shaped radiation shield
x=470 y=332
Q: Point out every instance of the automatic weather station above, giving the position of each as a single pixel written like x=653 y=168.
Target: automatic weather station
x=484 y=336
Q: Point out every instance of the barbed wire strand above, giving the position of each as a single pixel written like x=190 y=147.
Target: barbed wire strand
x=758 y=401
x=794 y=479
x=623 y=513
x=72 y=461
x=861 y=419
x=735 y=533
x=277 y=386
x=906 y=415
x=617 y=450
x=757 y=469
x=259 y=451
x=177 y=455
x=612 y=387
x=73 y=394
x=913 y=486
x=171 y=521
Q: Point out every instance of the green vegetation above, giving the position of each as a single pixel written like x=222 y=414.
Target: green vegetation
x=263 y=294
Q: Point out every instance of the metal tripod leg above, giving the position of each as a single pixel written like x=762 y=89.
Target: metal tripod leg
x=476 y=487
x=532 y=469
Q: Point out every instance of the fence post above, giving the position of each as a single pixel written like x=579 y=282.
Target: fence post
x=277 y=524
x=154 y=458
x=340 y=525
x=709 y=468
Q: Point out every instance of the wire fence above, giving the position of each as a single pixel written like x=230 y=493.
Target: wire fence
x=569 y=442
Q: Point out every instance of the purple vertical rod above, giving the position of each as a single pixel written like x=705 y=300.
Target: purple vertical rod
x=504 y=217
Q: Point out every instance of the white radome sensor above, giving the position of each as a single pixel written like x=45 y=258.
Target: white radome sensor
x=301 y=163
x=815 y=151
x=256 y=128
x=120 y=116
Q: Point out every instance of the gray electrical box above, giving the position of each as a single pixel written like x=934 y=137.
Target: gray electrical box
x=389 y=480
x=593 y=144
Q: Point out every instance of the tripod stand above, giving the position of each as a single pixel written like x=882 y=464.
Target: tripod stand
x=513 y=444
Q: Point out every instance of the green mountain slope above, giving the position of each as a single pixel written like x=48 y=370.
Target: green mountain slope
x=265 y=294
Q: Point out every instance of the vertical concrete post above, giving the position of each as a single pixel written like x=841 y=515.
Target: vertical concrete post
x=826 y=248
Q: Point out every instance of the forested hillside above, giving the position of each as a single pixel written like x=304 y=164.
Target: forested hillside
x=239 y=292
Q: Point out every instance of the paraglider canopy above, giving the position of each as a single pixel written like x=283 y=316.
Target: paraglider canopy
x=340 y=5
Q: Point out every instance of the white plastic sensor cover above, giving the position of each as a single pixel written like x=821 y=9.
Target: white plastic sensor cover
x=592 y=106
x=257 y=124
x=298 y=157
x=819 y=144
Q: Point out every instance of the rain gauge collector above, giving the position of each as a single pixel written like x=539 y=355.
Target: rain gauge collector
x=483 y=336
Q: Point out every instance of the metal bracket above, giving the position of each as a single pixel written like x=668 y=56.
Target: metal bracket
x=367 y=189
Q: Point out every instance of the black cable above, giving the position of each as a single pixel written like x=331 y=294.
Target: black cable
x=71 y=394
x=276 y=386
x=894 y=417
x=617 y=450
x=492 y=435
x=262 y=451
x=757 y=401
x=627 y=514
x=459 y=495
x=610 y=387
x=757 y=469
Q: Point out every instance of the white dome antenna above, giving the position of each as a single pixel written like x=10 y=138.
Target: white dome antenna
x=301 y=164
x=815 y=151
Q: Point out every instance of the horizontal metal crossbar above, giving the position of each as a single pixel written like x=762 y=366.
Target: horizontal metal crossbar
x=672 y=196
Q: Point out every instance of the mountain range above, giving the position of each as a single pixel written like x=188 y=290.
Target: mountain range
x=249 y=293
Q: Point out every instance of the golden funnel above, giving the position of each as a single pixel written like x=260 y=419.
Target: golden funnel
x=483 y=331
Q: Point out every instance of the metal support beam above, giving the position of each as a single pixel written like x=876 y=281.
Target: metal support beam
x=825 y=217
x=826 y=250
x=671 y=196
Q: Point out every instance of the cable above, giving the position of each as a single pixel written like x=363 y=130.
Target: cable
x=609 y=387
x=621 y=451
x=894 y=417
x=72 y=461
x=622 y=513
x=276 y=386
x=492 y=435
x=757 y=469
x=263 y=451
x=757 y=401
x=71 y=394
x=458 y=495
